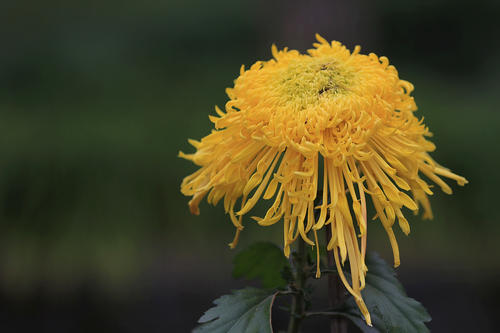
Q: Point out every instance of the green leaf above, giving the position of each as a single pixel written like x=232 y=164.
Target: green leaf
x=390 y=308
x=262 y=260
x=244 y=311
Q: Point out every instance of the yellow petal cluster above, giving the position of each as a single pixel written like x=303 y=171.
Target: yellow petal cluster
x=333 y=122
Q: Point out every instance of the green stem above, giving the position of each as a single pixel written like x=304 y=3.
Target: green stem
x=336 y=293
x=297 y=312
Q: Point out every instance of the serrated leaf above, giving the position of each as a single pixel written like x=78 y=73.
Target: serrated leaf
x=262 y=260
x=244 y=311
x=390 y=308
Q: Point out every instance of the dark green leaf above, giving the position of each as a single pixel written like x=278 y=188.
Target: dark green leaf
x=244 y=311
x=264 y=261
x=390 y=308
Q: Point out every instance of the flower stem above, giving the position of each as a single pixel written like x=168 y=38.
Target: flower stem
x=336 y=292
x=297 y=312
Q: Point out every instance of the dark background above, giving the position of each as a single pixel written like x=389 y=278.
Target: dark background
x=98 y=97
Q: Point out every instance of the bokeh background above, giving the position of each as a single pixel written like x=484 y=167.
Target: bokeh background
x=98 y=97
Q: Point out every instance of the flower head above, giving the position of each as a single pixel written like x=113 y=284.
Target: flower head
x=331 y=120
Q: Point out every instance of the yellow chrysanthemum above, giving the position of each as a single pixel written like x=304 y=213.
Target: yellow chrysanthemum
x=333 y=120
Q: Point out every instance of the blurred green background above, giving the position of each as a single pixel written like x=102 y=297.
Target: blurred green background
x=98 y=97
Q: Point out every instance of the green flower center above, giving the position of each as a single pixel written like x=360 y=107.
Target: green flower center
x=306 y=81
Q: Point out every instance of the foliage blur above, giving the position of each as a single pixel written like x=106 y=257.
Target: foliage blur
x=97 y=98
